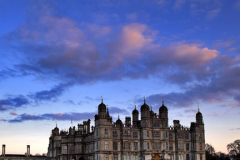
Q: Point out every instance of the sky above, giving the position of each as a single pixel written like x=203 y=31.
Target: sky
x=57 y=58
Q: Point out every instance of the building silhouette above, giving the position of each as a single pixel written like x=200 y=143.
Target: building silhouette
x=147 y=138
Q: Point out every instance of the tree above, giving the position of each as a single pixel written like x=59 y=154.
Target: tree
x=209 y=149
x=234 y=148
x=209 y=152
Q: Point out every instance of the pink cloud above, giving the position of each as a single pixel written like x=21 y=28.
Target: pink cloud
x=190 y=54
x=132 y=36
x=58 y=114
x=233 y=105
x=13 y=113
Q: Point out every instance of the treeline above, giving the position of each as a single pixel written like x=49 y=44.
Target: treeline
x=233 y=152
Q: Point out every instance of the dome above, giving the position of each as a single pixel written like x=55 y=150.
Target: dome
x=199 y=114
x=135 y=111
x=144 y=106
x=102 y=106
x=163 y=108
x=118 y=121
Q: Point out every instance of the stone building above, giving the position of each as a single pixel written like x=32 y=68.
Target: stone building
x=147 y=138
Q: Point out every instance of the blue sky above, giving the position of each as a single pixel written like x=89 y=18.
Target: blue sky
x=57 y=58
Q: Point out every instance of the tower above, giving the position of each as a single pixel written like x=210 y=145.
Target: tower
x=101 y=110
x=145 y=111
x=163 y=115
x=135 y=115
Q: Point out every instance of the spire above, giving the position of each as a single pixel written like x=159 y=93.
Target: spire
x=118 y=115
x=107 y=111
x=198 y=108
x=162 y=102
x=144 y=99
x=56 y=124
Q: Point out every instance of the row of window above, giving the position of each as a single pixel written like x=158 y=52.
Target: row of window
x=180 y=135
x=127 y=146
x=125 y=157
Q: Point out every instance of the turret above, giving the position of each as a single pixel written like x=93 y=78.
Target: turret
x=102 y=110
x=118 y=122
x=135 y=114
x=145 y=111
x=163 y=111
x=55 y=131
x=163 y=115
x=199 y=117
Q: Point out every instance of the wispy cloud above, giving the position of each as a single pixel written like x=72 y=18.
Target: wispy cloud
x=14 y=101
x=49 y=116
x=113 y=110
x=51 y=94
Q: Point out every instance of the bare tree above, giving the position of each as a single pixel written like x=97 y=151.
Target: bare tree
x=234 y=148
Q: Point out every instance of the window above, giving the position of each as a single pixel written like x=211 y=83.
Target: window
x=106 y=144
x=72 y=149
x=106 y=156
x=200 y=156
x=135 y=134
x=156 y=134
x=148 y=145
x=135 y=157
x=200 y=146
x=164 y=145
x=64 y=149
x=115 y=157
x=180 y=135
x=166 y=134
x=163 y=135
x=180 y=157
x=128 y=133
x=187 y=157
x=115 y=134
x=187 y=136
x=147 y=133
x=200 y=136
x=135 y=144
x=180 y=146
x=170 y=146
x=115 y=146
x=106 y=131
x=125 y=157
x=187 y=147
x=170 y=136
x=128 y=157
x=156 y=124
x=157 y=146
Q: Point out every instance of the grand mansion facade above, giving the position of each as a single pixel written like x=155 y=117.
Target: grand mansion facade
x=148 y=138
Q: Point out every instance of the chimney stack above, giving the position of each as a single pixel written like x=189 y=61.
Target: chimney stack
x=3 y=150
x=28 y=150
